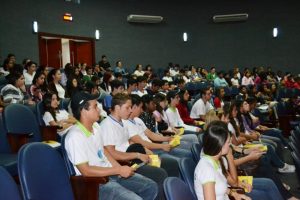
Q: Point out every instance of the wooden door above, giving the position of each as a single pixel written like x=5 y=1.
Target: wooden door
x=83 y=52
x=50 y=52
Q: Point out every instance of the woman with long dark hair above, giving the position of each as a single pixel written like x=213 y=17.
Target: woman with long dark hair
x=53 y=116
x=38 y=87
x=210 y=175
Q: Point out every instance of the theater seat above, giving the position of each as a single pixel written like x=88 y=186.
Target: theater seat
x=42 y=173
x=9 y=189
x=83 y=187
x=296 y=159
x=8 y=160
x=196 y=150
x=186 y=168
x=21 y=125
x=176 y=189
x=48 y=132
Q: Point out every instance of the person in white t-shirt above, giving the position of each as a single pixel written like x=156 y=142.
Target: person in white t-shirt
x=85 y=150
x=116 y=140
x=202 y=106
x=172 y=115
x=30 y=72
x=53 y=116
x=209 y=179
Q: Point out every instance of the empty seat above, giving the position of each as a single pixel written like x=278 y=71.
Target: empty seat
x=42 y=173
x=187 y=168
x=9 y=189
x=176 y=189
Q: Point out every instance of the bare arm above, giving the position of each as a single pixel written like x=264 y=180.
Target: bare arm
x=118 y=155
x=150 y=145
x=156 y=137
x=209 y=192
x=95 y=171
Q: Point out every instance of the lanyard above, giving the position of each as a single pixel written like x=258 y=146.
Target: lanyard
x=120 y=123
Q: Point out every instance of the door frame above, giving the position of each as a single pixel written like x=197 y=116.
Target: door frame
x=41 y=34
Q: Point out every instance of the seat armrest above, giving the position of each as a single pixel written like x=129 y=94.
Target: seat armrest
x=49 y=132
x=87 y=187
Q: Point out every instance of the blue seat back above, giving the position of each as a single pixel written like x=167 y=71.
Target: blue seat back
x=19 y=119
x=176 y=189
x=69 y=165
x=296 y=159
x=187 y=168
x=42 y=173
x=196 y=150
x=4 y=145
x=9 y=188
x=39 y=113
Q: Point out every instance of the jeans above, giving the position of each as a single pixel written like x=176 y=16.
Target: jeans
x=264 y=188
x=274 y=132
x=274 y=141
x=136 y=187
x=265 y=170
x=273 y=158
x=168 y=162
x=156 y=174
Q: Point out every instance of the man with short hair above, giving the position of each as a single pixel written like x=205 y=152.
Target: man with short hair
x=202 y=106
x=116 y=140
x=84 y=146
x=116 y=87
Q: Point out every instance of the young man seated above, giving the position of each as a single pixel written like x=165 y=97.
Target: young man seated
x=85 y=150
x=116 y=87
x=116 y=140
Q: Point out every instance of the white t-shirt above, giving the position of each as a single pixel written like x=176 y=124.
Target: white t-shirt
x=207 y=170
x=136 y=127
x=235 y=82
x=138 y=73
x=84 y=148
x=60 y=115
x=28 y=78
x=174 y=120
x=140 y=93
x=199 y=108
x=60 y=90
x=114 y=133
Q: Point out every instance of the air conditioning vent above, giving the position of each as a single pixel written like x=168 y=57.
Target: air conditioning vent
x=144 y=19
x=230 y=18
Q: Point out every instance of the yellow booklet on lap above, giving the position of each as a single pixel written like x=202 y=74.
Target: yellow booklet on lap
x=155 y=161
x=247 y=180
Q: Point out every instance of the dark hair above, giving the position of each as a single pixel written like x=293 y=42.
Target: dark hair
x=159 y=97
x=140 y=79
x=239 y=104
x=13 y=77
x=215 y=137
x=131 y=81
x=70 y=89
x=204 y=90
x=181 y=94
x=29 y=64
x=135 y=99
x=77 y=110
x=115 y=84
x=146 y=99
x=47 y=99
x=51 y=74
x=119 y=99
x=218 y=91
x=37 y=75
x=106 y=77
x=156 y=82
